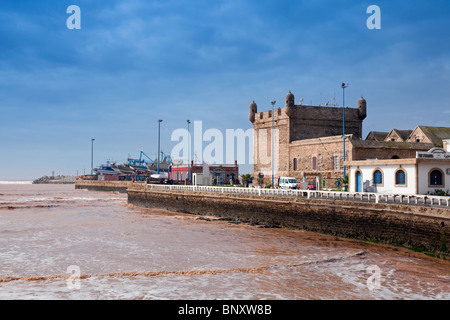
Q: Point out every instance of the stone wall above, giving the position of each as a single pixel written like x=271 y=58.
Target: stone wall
x=315 y=121
x=411 y=226
x=324 y=150
x=262 y=144
x=364 y=149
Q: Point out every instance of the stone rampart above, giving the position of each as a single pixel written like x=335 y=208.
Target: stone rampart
x=408 y=225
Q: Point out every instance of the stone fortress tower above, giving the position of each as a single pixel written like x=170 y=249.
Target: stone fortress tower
x=307 y=122
x=308 y=141
x=296 y=125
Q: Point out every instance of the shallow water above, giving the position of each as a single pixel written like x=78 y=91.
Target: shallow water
x=126 y=252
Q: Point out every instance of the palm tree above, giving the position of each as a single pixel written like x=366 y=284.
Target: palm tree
x=245 y=178
x=344 y=182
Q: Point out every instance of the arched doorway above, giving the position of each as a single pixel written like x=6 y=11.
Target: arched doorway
x=436 y=178
x=358 y=181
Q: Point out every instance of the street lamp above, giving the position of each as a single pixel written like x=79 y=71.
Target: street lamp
x=92 y=156
x=159 y=133
x=273 y=104
x=343 y=86
x=189 y=151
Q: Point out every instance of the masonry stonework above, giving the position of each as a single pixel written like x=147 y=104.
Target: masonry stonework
x=424 y=227
x=308 y=142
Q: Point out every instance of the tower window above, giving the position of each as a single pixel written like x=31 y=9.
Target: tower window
x=314 y=163
x=295 y=164
x=335 y=162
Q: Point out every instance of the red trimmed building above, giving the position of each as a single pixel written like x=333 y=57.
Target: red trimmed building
x=220 y=173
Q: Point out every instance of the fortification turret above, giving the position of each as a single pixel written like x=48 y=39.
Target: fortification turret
x=362 y=108
x=253 y=109
x=289 y=104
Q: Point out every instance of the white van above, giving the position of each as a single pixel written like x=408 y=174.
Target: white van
x=288 y=183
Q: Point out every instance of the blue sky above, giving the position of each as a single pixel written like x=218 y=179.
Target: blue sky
x=135 y=61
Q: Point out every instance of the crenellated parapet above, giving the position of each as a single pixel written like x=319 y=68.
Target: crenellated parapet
x=308 y=122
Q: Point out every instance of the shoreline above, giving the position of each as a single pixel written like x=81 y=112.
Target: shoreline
x=418 y=228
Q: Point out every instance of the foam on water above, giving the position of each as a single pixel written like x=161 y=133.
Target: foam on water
x=16 y=182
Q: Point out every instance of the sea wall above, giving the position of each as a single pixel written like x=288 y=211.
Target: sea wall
x=119 y=186
x=408 y=225
x=55 y=180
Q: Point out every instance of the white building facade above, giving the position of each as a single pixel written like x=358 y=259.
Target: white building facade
x=428 y=172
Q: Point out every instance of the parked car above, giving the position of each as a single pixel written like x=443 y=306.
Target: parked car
x=288 y=183
x=311 y=185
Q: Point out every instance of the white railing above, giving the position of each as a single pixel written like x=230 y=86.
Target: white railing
x=358 y=196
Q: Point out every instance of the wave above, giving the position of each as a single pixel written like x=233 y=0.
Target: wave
x=13 y=207
x=16 y=182
x=57 y=199
x=50 y=202
x=183 y=272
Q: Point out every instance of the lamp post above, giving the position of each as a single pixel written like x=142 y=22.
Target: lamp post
x=343 y=86
x=273 y=104
x=92 y=156
x=189 y=151
x=159 y=133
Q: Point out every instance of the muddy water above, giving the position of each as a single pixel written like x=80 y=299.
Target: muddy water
x=125 y=252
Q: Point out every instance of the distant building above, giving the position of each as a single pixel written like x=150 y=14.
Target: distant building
x=398 y=135
x=219 y=173
x=433 y=135
x=377 y=135
x=424 y=174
